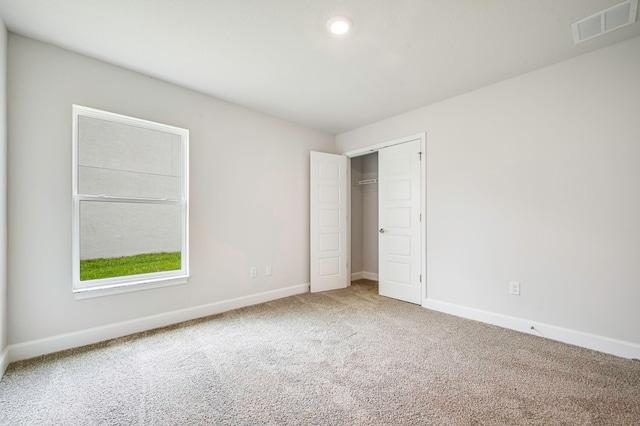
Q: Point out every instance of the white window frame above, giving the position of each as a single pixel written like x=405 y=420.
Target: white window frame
x=115 y=285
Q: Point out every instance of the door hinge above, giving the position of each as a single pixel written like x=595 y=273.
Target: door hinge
x=420 y=277
x=420 y=155
x=420 y=217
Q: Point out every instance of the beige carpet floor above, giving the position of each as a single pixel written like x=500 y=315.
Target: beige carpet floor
x=347 y=357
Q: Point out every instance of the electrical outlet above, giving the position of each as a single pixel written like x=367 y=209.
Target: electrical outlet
x=253 y=272
x=514 y=288
x=268 y=270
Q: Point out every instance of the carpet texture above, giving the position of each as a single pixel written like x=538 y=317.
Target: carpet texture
x=347 y=357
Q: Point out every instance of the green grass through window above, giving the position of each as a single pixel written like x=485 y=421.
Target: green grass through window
x=93 y=269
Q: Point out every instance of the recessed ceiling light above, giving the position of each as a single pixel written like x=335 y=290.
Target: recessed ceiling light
x=339 y=25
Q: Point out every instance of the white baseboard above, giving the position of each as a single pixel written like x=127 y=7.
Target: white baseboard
x=370 y=276
x=76 y=339
x=364 y=275
x=607 y=345
x=4 y=361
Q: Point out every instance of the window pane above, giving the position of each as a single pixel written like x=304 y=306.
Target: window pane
x=114 y=236
x=121 y=160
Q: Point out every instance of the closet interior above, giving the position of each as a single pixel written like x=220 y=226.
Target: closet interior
x=364 y=217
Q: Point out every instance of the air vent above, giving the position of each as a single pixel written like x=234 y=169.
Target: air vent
x=608 y=20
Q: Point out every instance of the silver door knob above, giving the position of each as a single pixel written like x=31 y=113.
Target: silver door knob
x=382 y=231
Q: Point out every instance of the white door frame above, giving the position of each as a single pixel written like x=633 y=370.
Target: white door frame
x=422 y=137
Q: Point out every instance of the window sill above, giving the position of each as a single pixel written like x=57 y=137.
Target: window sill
x=128 y=287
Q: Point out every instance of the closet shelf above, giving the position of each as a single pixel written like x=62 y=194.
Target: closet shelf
x=365 y=182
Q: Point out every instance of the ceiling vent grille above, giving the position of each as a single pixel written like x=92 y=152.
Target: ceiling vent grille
x=602 y=22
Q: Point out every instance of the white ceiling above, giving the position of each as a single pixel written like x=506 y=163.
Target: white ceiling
x=276 y=56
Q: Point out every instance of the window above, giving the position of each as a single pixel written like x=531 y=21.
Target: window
x=130 y=203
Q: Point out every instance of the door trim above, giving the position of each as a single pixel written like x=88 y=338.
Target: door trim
x=422 y=137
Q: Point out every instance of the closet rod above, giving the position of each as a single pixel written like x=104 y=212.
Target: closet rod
x=366 y=182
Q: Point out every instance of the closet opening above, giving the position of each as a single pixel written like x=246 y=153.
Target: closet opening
x=364 y=217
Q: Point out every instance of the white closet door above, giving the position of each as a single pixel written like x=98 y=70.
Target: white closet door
x=328 y=215
x=399 y=222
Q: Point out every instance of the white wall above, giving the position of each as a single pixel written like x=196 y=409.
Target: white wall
x=3 y=197
x=249 y=190
x=536 y=179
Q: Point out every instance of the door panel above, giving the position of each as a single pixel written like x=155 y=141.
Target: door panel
x=328 y=221
x=399 y=216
